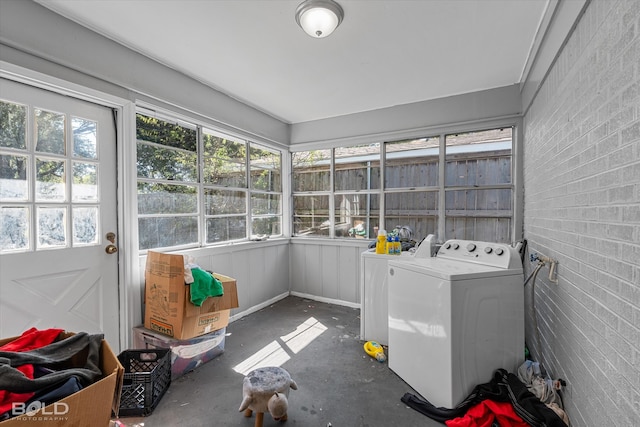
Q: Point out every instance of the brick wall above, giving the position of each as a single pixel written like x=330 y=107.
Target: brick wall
x=582 y=207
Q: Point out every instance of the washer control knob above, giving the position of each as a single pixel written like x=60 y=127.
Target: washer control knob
x=456 y=246
x=488 y=250
x=471 y=247
x=447 y=245
x=499 y=251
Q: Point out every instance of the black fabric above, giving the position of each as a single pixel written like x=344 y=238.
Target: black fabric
x=58 y=356
x=503 y=387
x=529 y=406
x=49 y=396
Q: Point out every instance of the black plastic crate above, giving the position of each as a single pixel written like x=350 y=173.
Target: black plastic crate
x=147 y=376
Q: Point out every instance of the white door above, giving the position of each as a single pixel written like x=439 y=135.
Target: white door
x=57 y=210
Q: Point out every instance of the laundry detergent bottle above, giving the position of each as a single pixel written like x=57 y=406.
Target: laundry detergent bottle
x=375 y=350
x=381 y=243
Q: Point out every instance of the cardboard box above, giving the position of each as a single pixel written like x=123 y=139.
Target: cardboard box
x=90 y=406
x=186 y=355
x=168 y=307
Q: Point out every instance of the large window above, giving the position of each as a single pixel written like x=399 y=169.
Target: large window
x=450 y=185
x=197 y=186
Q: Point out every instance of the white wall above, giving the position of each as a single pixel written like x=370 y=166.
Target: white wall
x=418 y=118
x=582 y=207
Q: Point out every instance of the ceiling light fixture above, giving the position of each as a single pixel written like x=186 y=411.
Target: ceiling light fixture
x=319 y=18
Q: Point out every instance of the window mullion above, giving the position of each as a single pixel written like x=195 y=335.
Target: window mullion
x=202 y=219
x=332 y=195
x=441 y=188
x=247 y=180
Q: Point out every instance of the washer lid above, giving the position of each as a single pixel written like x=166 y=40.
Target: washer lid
x=449 y=269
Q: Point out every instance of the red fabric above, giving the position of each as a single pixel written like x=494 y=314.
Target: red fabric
x=484 y=413
x=29 y=340
x=32 y=339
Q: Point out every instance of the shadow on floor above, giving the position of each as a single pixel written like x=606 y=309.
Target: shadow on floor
x=319 y=345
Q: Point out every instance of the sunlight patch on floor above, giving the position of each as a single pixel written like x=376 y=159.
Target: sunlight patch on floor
x=277 y=353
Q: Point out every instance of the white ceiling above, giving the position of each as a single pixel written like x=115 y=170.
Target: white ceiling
x=385 y=52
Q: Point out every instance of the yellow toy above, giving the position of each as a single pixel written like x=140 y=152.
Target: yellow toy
x=375 y=350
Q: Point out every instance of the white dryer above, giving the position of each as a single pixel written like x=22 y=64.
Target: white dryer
x=374 y=294
x=455 y=318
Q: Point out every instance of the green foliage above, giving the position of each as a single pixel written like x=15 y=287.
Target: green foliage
x=13 y=122
x=158 y=131
x=50 y=132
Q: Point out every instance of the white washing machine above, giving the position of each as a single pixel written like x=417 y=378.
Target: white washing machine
x=455 y=318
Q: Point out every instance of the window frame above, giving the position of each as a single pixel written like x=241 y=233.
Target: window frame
x=515 y=123
x=202 y=216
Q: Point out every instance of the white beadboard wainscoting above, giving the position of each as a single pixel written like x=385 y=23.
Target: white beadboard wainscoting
x=327 y=270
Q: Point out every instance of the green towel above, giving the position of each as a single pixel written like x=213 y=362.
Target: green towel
x=204 y=285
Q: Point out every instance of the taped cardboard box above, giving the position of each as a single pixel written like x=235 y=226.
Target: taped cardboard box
x=91 y=406
x=186 y=355
x=168 y=307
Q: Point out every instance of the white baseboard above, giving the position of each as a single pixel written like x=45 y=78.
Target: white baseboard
x=327 y=300
x=258 y=307
x=277 y=298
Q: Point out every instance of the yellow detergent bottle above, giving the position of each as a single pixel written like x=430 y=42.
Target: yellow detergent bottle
x=375 y=350
x=381 y=244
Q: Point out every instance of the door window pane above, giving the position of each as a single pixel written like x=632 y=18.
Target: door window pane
x=50 y=180
x=85 y=182
x=13 y=178
x=50 y=129
x=85 y=226
x=14 y=228
x=85 y=142
x=52 y=227
x=13 y=125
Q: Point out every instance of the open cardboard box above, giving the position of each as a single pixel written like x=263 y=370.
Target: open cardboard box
x=91 y=406
x=168 y=307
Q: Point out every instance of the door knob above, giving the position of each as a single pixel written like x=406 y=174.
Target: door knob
x=111 y=249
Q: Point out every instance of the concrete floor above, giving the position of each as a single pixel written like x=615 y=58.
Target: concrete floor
x=319 y=345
